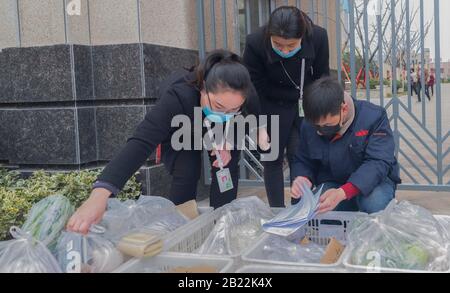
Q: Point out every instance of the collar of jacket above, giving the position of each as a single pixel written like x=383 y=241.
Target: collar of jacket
x=352 y=113
x=356 y=116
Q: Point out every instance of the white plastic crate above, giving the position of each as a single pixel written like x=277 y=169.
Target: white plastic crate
x=358 y=268
x=273 y=269
x=319 y=231
x=192 y=235
x=204 y=212
x=167 y=261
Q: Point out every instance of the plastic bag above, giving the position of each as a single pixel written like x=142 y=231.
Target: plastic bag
x=149 y=212
x=445 y=224
x=167 y=222
x=77 y=253
x=237 y=227
x=403 y=236
x=47 y=219
x=276 y=248
x=293 y=218
x=24 y=254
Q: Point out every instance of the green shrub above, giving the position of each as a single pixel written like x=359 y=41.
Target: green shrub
x=18 y=195
x=374 y=83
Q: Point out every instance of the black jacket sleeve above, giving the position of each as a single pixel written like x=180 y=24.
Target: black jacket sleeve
x=255 y=65
x=322 y=61
x=148 y=135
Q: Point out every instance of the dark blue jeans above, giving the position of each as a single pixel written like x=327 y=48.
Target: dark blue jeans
x=377 y=201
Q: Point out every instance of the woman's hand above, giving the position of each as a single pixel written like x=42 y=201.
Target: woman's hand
x=225 y=155
x=263 y=139
x=91 y=212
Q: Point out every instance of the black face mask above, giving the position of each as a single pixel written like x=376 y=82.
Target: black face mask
x=330 y=131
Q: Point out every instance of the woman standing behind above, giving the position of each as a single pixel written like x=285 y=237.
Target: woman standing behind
x=284 y=58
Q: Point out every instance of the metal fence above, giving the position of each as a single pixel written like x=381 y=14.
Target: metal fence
x=377 y=43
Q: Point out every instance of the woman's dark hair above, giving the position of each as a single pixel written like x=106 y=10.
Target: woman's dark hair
x=324 y=97
x=289 y=22
x=223 y=70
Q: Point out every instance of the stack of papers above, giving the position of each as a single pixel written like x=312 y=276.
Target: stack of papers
x=293 y=218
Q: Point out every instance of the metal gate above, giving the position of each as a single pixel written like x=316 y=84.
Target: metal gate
x=374 y=44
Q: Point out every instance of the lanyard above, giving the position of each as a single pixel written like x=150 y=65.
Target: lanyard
x=302 y=78
x=214 y=145
x=224 y=179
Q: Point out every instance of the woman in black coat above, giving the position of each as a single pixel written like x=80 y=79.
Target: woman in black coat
x=284 y=58
x=219 y=88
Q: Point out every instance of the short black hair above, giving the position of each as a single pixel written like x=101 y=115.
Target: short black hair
x=322 y=98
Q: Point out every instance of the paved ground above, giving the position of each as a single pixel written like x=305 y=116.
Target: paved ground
x=417 y=147
x=437 y=203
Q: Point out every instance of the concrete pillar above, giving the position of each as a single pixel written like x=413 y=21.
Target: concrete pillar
x=41 y=22
x=9 y=25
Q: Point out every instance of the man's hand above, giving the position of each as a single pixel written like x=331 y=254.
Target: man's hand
x=296 y=186
x=330 y=200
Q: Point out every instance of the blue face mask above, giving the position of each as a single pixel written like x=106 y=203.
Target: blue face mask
x=217 y=117
x=288 y=55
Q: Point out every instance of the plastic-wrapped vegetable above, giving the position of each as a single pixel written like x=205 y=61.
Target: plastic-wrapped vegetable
x=277 y=248
x=238 y=226
x=149 y=212
x=404 y=236
x=87 y=254
x=24 y=254
x=47 y=219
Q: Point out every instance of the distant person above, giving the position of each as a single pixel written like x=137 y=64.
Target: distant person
x=416 y=84
x=427 y=89
x=430 y=84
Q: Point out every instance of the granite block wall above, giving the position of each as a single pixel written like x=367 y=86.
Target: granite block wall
x=74 y=106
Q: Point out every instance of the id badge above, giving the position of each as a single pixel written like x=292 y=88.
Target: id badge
x=300 y=109
x=224 y=180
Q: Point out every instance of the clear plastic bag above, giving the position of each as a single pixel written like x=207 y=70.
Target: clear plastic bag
x=237 y=227
x=403 y=236
x=92 y=253
x=167 y=222
x=445 y=224
x=276 y=248
x=24 y=254
x=148 y=212
x=47 y=219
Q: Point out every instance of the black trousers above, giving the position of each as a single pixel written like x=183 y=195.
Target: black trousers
x=289 y=138
x=186 y=174
x=427 y=91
